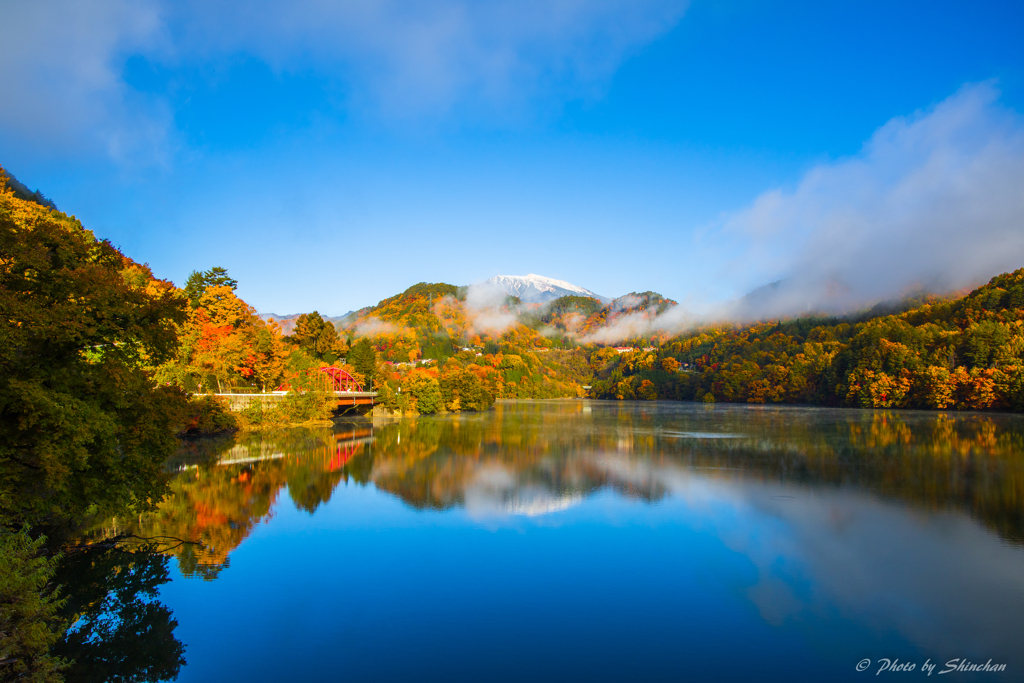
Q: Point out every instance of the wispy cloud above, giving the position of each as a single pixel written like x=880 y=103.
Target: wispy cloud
x=486 y=309
x=932 y=200
x=411 y=56
x=60 y=75
x=641 y=323
x=61 y=62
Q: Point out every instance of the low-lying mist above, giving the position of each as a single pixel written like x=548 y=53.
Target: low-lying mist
x=933 y=201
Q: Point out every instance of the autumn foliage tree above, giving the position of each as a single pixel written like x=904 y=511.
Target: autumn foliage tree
x=317 y=337
x=83 y=424
x=225 y=344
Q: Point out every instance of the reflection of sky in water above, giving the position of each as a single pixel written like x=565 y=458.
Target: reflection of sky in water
x=667 y=569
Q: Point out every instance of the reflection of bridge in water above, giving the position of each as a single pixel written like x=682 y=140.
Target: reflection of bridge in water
x=335 y=456
x=346 y=390
x=346 y=444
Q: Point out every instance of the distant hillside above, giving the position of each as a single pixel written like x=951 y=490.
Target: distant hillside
x=427 y=320
x=785 y=299
x=434 y=320
x=626 y=317
x=287 y=321
x=566 y=314
x=921 y=352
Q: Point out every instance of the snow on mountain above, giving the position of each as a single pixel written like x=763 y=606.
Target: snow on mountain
x=535 y=289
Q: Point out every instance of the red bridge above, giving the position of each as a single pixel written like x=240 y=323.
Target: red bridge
x=336 y=381
x=332 y=379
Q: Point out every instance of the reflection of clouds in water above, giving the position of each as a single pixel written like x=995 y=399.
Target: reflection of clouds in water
x=495 y=492
x=633 y=433
x=940 y=580
x=845 y=567
x=533 y=501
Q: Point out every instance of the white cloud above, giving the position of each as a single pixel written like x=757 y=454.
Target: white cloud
x=492 y=321
x=60 y=75
x=486 y=310
x=61 y=61
x=628 y=326
x=932 y=200
x=412 y=56
x=641 y=323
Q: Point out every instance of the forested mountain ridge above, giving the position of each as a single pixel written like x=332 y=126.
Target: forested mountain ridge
x=963 y=353
x=429 y=333
x=435 y=320
x=926 y=351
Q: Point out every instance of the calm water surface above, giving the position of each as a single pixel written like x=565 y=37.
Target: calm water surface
x=593 y=541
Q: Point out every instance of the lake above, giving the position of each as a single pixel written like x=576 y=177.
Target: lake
x=578 y=540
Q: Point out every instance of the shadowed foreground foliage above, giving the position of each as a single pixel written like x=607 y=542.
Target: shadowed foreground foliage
x=118 y=630
x=82 y=425
x=29 y=623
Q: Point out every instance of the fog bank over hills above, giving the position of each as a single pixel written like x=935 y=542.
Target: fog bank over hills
x=932 y=202
x=565 y=309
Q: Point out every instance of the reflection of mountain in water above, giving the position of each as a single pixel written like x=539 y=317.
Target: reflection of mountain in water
x=535 y=458
x=495 y=491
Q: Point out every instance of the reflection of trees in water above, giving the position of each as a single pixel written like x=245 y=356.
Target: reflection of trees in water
x=120 y=631
x=542 y=455
x=220 y=504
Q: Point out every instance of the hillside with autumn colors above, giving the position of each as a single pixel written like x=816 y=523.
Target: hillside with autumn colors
x=927 y=351
x=436 y=320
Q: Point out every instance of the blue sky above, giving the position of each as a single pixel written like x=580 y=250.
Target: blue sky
x=330 y=154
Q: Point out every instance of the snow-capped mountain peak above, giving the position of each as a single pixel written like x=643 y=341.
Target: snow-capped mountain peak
x=534 y=288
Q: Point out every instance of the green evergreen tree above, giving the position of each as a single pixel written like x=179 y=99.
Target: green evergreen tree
x=199 y=282
x=29 y=625
x=316 y=336
x=363 y=357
